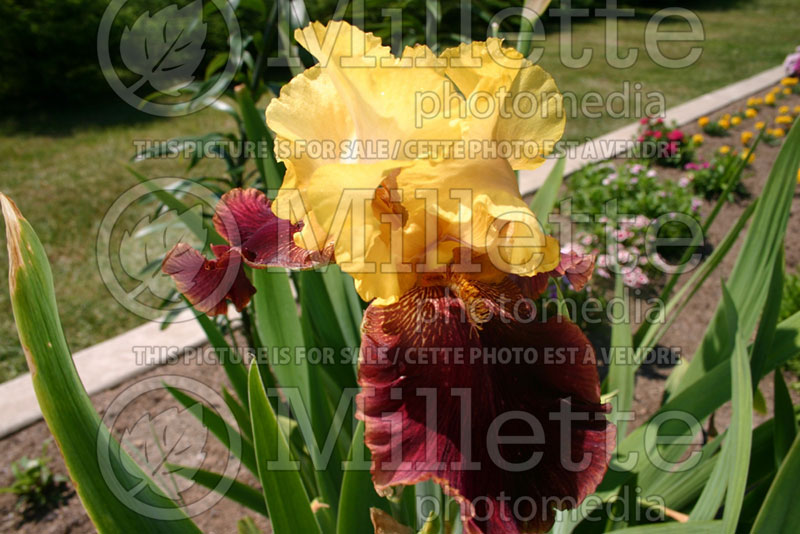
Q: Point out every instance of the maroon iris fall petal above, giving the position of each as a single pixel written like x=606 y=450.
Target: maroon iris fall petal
x=208 y=284
x=511 y=437
x=256 y=237
x=245 y=219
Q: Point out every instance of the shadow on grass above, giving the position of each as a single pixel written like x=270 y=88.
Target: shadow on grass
x=64 y=121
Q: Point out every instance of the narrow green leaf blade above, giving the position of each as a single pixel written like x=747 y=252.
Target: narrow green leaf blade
x=769 y=317
x=256 y=129
x=286 y=498
x=729 y=478
x=780 y=512
x=740 y=433
x=65 y=405
x=245 y=495
x=622 y=367
x=358 y=493
x=785 y=420
x=545 y=198
x=229 y=436
x=279 y=328
x=695 y=527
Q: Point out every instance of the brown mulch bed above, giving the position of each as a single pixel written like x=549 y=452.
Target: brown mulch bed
x=70 y=518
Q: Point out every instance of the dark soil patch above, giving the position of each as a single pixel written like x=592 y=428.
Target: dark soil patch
x=70 y=518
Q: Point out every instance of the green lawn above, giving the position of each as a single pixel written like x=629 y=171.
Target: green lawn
x=65 y=170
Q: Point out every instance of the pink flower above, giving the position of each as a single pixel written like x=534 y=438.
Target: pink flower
x=791 y=64
x=672 y=147
x=675 y=135
x=576 y=266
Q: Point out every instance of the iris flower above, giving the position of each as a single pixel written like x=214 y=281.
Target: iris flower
x=461 y=382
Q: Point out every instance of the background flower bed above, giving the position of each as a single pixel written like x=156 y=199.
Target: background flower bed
x=687 y=331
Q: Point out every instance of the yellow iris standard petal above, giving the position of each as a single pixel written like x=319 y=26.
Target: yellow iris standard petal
x=476 y=204
x=381 y=92
x=399 y=217
x=509 y=100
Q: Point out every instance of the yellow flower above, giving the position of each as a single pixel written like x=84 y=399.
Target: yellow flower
x=760 y=125
x=752 y=101
x=724 y=149
x=751 y=159
x=770 y=99
x=758 y=100
x=796 y=110
x=697 y=139
x=778 y=132
x=750 y=113
x=775 y=90
x=736 y=121
x=798 y=176
x=786 y=91
x=399 y=216
x=790 y=81
x=726 y=117
x=703 y=121
x=724 y=123
x=746 y=137
x=784 y=119
x=783 y=110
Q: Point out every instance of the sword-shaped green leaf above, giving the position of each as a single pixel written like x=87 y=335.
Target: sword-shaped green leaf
x=66 y=407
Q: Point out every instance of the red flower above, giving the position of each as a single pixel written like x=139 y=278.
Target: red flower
x=675 y=135
x=256 y=237
x=672 y=148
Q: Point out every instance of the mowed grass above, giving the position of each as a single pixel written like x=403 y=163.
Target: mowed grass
x=64 y=180
x=65 y=170
x=740 y=41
